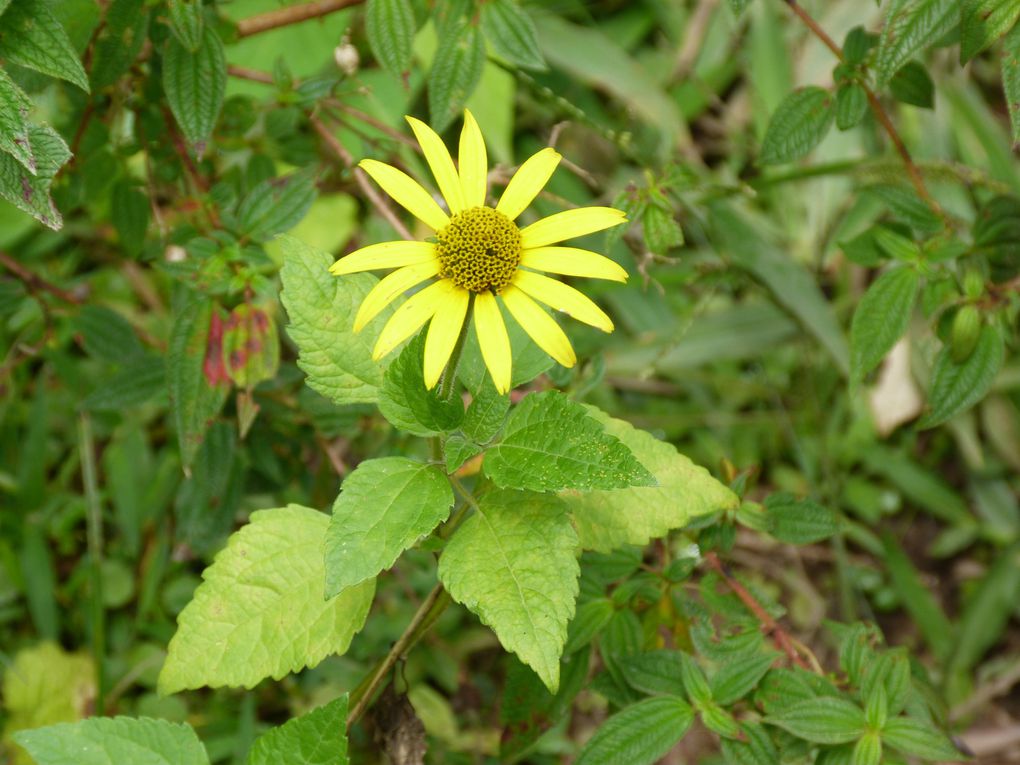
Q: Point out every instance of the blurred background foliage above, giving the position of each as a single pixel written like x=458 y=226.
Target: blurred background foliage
x=140 y=424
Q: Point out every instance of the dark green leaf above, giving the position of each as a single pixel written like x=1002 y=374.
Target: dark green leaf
x=1011 y=79
x=408 y=404
x=129 y=213
x=486 y=414
x=511 y=33
x=275 y=206
x=32 y=37
x=912 y=26
x=186 y=22
x=799 y=522
x=119 y=41
x=824 y=720
x=904 y=203
x=912 y=85
x=14 y=107
x=195 y=84
x=318 y=737
x=851 y=105
x=656 y=672
x=106 y=334
x=590 y=619
x=390 y=27
x=455 y=73
x=889 y=672
x=757 y=747
x=857 y=45
x=920 y=740
x=957 y=387
x=662 y=232
x=136 y=383
x=640 y=734
x=881 y=318
x=740 y=675
x=917 y=599
x=31 y=193
x=798 y=125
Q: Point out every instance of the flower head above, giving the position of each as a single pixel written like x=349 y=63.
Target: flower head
x=480 y=259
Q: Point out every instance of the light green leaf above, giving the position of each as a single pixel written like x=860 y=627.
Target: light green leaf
x=798 y=125
x=14 y=108
x=195 y=84
x=984 y=22
x=455 y=72
x=911 y=27
x=186 y=22
x=385 y=506
x=513 y=564
x=920 y=740
x=957 y=387
x=115 y=741
x=824 y=720
x=662 y=232
x=31 y=36
x=511 y=33
x=318 y=737
x=321 y=308
x=640 y=734
x=408 y=404
x=276 y=205
x=119 y=40
x=607 y=520
x=390 y=27
x=550 y=443
x=868 y=749
x=1011 y=79
x=457 y=450
x=31 y=193
x=261 y=611
x=485 y=416
x=197 y=392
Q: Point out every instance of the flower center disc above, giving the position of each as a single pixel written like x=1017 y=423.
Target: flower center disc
x=479 y=250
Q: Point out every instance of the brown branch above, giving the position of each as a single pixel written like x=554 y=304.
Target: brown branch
x=293 y=14
x=878 y=110
x=769 y=626
x=254 y=75
x=361 y=177
x=36 y=283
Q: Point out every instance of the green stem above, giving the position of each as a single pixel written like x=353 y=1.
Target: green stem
x=94 y=539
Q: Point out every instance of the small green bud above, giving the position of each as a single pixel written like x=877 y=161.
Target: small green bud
x=973 y=284
x=966 y=329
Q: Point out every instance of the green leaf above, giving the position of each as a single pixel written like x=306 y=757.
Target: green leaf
x=799 y=522
x=590 y=619
x=609 y=519
x=983 y=22
x=186 y=22
x=195 y=84
x=757 y=747
x=740 y=675
x=32 y=37
x=129 y=213
x=385 y=506
x=824 y=720
x=197 y=381
x=486 y=414
x=321 y=308
x=1011 y=79
x=139 y=381
x=457 y=450
x=275 y=206
x=455 y=72
x=261 y=611
x=551 y=443
x=251 y=346
x=513 y=564
x=868 y=749
x=31 y=192
x=639 y=734
x=114 y=740
x=119 y=41
x=408 y=404
x=43 y=684
x=881 y=318
x=957 y=387
x=912 y=26
x=857 y=44
x=798 y=125
x=511 y=33
x=718 y=720
x=918 y=739
x=106 y=334
x=738 y=6
x=916 y=598
x=695 y=682
x=318 y=737
x=656 y=672
x=662 y=232
x=913 y=85
x=390 y=27
x=906 y=205
x=14 y=108
x=851 y=105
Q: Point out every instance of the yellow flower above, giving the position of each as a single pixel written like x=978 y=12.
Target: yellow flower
x=480 y=258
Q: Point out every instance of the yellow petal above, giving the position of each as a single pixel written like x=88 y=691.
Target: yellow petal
x=568 y=224
x=572 y=261
x=563 y=298
x=493 y=340
x=474 y=163
x=443 y=333
x=384 y=255
x=441 y=164
x=407 y=193
x=390 y=288
x=415 y=311
x=539 y=325
x=529 y=179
